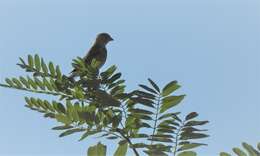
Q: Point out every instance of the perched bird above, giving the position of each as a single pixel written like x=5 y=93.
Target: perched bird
x=97 y=52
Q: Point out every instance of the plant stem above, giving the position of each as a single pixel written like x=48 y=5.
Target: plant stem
x=124 y=112
x=35 y=91
x=41 y=92
x=128 y=140
x=36 y=71
x=177 y=139
x=156 y=117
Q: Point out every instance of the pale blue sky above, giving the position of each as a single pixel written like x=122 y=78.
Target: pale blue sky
x=210 y=46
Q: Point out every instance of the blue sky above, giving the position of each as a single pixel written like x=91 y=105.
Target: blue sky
x=211 y=47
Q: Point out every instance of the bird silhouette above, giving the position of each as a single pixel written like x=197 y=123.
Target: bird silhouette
x=97 y=52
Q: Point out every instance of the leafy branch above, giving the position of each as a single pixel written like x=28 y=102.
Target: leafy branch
x=96 y=104
x=248 y=150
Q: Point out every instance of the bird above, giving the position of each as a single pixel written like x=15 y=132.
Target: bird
x=97 y=52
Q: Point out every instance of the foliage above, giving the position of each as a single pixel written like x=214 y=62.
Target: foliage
x=248 y=150
x=97 y=103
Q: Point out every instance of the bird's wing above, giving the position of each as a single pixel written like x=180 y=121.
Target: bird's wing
x=94 y=51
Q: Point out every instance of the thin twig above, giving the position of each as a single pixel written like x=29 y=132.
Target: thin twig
x=156 y=117
x=35 y=91
x=177 y=139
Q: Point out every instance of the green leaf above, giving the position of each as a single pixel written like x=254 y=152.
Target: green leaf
x=154 y=85
x=170 y=87
x=141 y=116
x=170 y=102
x=79 y=61
x=62 y=127
x=30 y=61
x=71 y=131
x=116 y=84
x=190 y=129
x=34 y=101
x=140 y=111
x=148 y=89
x=39 y=83
x=138 y=145
x=60 y=108
x=116 y=121
x=187 y=153
x=28 y=101
x=167 y=115
x=22 y=61
x=122 y=96
x=52 y=69
x=50 y=115
x=171 y=122
x=161 y=139
x=88 y=133
x=48 y=105
x=72 y=111
x=41 y=104
x=239 y=152
x=172 y=115
x=250 y=149
x=196 y=123
x=164 y=130
x=112 y=137
x=117 y=90
x=44 y=67
x=145 y=102
x=183 y=142
x=32 y=83
x=190 y=146
x=162 y=136
x=108 y=72
x=186 y=136
x=163 y=126
x=58 y=71
x=144 y=94
x=17 y=83
x=224 y=154
x=106 y=99
x=155 y=152
x=139 y=135
x=53 y=84
x=114 y=78
x=37 y=62
x=9 y=82
x=87 y=116
x=25 y=82
x=47 y=84
x=160 y=147
x=97 y=150
x=63 y=119
x=191 y=116
x=121 y=150
x=146 y=125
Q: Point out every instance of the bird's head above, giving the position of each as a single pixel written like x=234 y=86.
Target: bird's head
x=103 y=38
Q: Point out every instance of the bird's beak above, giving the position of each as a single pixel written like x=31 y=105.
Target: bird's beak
x=111 y=39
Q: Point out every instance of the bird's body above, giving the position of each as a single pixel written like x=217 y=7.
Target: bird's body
x=97 y=52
